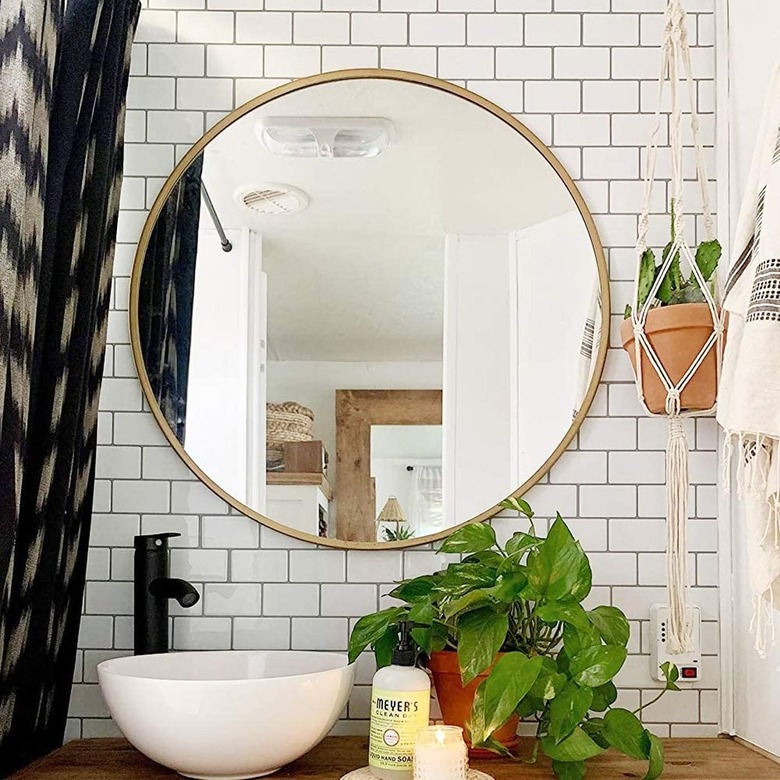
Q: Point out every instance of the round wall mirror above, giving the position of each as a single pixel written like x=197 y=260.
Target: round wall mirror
x=367 y=307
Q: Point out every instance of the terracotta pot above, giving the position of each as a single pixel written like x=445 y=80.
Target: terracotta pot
x=455 y=701
x=677 y=334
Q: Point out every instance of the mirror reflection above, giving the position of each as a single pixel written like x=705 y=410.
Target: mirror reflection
x=367 y=310
x=408 y=481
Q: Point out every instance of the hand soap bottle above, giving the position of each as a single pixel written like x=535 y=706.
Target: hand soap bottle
x=400 y=707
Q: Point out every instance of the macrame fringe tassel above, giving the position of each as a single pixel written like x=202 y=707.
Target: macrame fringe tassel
x=680 y=630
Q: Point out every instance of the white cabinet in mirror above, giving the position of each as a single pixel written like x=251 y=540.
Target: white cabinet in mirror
x=367 y=307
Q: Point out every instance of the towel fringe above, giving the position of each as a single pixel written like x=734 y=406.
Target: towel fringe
x=753 y=480
x=754 y=464
x=762 y=623
x=728 y=455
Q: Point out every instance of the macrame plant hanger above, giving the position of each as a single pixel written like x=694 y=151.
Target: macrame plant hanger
x=676 y=64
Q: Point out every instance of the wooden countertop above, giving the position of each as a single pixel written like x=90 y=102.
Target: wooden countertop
x=686 y=759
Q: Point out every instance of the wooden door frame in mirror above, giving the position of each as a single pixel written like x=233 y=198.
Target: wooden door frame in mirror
x=351 y=75
x=356 y=412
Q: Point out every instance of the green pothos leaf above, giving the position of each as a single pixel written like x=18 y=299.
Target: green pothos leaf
x=604 y=696
x=555 y=569
x=416 y=589
x=656 y=766
x=567 y=710
x=518 y=505
x=471 y=538
x=371 y=628
x=569 y=770
x=597 y=665
x=578 y=746
x=624 y=731
x=384 y=646
x=611 y=624
x=431 y=638
x=497 y=697
x=480 y=636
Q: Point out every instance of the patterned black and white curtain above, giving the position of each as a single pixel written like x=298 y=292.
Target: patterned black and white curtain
x=63 y=80
x=167 y=295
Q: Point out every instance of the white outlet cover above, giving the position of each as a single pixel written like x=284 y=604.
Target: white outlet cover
x=689 y=664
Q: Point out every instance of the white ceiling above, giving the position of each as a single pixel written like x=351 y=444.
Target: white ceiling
x=359 y=274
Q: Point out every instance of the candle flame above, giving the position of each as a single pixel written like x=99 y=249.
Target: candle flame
x=440 y=736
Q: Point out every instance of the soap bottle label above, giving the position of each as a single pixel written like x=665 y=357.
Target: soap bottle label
x=396 y=717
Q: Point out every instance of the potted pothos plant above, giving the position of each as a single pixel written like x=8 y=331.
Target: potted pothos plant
x=678 y=325
x=510 y=620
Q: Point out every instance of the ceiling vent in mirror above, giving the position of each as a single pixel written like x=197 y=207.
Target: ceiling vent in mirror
x=322 y=136
x=273 y=199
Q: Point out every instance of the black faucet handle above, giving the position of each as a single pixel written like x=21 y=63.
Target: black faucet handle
x=154 y=541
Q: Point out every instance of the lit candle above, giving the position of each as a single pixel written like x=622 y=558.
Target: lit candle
x=440 y=754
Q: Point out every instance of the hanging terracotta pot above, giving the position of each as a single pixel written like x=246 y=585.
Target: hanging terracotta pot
x=677 y=334
x=455 y=701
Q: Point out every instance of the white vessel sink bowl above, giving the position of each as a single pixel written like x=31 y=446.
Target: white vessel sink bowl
x=226 y=714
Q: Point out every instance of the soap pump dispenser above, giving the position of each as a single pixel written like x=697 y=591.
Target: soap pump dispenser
x=400 y=708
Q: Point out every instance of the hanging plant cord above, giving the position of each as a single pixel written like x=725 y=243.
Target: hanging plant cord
x=675 y=65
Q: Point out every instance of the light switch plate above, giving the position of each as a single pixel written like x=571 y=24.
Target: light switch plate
x=689 y=664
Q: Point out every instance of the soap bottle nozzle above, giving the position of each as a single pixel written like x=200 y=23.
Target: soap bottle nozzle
x=404 y=653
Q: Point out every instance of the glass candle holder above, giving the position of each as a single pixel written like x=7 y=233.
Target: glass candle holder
x=440 y=754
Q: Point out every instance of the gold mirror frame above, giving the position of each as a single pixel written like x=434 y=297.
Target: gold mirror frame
x=347 y=75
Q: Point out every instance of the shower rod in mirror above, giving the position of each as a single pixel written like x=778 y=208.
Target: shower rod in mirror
x=223 y=239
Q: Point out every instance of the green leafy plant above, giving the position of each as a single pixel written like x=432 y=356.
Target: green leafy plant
x=398 y=534
x=675 y=287
x=524 y=600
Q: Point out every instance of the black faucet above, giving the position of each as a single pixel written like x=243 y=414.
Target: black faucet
x=153 y=587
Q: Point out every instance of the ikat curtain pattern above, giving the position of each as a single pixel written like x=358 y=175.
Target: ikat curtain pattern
x=167 y=296
x=63 y=79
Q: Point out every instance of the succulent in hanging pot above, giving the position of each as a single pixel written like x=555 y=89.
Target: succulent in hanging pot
x=678 y=325
x=506 y=636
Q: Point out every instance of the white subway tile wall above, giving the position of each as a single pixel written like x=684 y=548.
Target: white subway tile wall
x=196 y=59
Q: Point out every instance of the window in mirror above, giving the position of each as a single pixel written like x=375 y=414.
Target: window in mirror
x=406 y=465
